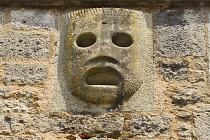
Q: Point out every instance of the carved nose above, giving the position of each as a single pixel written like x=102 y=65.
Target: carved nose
x=105 y=50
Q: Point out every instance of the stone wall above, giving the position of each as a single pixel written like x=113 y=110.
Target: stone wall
x=29 y=44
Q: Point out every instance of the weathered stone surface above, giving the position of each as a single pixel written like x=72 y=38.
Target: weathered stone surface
x=111 y=124
x=32 y=19
x=204 y=108
x=17 y=101
x=39 y=138
x=24 y=46
x=25 y=74
x=5 y=126
x=22 y=95
x=13 y=106
x=3 y=93
x=198 y=63
x=1 y=17
x=184 y=97
x=209 y=48
x=108 y=125
x=202 y=125
x=149 y=126
x=95 y=138
x=184 y=115
x=19 y=138
x=185 y=131
x=197 y=76
x=180 y=33
x=176 y=71
x=105 y=3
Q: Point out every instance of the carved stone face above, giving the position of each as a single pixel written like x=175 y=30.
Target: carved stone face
x=104 y=54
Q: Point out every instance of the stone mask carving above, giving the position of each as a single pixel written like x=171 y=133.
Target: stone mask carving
x=104 y=54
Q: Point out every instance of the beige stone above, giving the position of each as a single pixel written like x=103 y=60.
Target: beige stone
x=106 y=59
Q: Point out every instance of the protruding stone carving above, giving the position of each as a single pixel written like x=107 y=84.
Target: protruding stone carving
x=106 y=54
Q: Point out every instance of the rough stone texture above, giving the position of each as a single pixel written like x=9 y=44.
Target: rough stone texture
x=71 y=137
x=1 y=17
x=185 y=131
x=197 y=76
x=13 y=106
x=185 y=97
x=3 y=93
x=25 y=74
x=94 y=138
x=32 y=19
x=149 y=126
x=180 y=33
x=20 y=138
x=174 y=71
x=209 y=46
x=108 y=125
x=184 y=115
x=17 y=101
x=106 y=3
x=202 y=125
x=24 y=46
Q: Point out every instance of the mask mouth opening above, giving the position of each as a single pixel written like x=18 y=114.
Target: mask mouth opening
x=106 y=76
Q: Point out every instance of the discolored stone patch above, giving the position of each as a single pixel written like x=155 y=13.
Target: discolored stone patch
x=202 y=125
x=25 y=74
x=107 y=125
x=149 y=126
x=32 y=19
x=185 y=131
x=176 y=71
x=180 y=33
x=24 y=46
x=185 y=97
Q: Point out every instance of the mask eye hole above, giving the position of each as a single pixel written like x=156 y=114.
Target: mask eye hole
x=86 y=39
x=122 y=39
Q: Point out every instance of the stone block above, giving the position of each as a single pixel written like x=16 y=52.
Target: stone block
x=24 y=46
x=176 y=71
x=95 y=138
x=185 y=131
x=186 y=96
x=209 y=46
x=103 y=126
x=5 y=127
x=197 y=76
x=26 y=74
x=3 y=92
x=202 y=125
x=32 y=19
x=180 y=33
x=149 y=126
x=109 y=125
x=24 y=95
x=13 y=106
x=19 y=138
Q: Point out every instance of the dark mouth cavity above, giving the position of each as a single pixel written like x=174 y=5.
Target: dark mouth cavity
x=103 y=76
